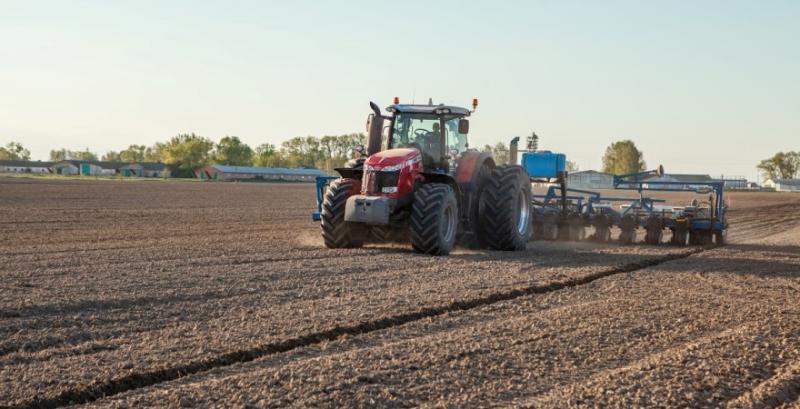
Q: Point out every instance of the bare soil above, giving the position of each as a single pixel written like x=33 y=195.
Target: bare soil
x=217 y=294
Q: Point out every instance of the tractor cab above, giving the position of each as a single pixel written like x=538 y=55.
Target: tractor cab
x=438 y=132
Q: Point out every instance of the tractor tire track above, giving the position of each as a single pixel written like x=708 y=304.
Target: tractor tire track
x=148 y=378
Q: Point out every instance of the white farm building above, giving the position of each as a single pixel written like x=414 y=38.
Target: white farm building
x=86 y=168
x=783 y=185
x=590 y=179
x=231 y=173
x=25 y=166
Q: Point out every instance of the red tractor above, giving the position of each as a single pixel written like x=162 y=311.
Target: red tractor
x=422 y=183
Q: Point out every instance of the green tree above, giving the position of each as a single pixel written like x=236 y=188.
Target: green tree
x=57 y=155
x=266 y=155
x=623 y=157
x=84 y=155
x=232 y=151
x=153 y=153
x=111 y=156
x=572 y=166
x=185 y=152
x=499 y=152
x=303 y=151
x=133 y=153
x=14 y=151
x=782 y=165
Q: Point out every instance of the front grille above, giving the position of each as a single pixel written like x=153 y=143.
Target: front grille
x=378 y=179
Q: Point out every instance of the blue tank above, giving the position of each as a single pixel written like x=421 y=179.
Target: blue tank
x=544 y=164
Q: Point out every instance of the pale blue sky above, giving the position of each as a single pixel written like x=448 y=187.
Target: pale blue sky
x=700 y=86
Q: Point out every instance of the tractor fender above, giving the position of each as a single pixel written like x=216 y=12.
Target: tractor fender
x=469 y=165
x=442 y=178
x=461 y=196
x=350 y=173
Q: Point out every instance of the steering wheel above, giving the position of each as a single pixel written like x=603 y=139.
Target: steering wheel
x=421 y=133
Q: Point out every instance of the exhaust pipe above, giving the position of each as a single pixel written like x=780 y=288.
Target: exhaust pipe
x=375 y=128
x=512 y=151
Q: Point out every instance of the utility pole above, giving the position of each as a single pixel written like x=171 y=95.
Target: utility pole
x=533 y=142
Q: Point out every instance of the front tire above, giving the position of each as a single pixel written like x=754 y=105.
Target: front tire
x=507 y=210
x=434 y=219
x=336 y=232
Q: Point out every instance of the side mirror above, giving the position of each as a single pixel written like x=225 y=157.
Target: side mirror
x=463 y=126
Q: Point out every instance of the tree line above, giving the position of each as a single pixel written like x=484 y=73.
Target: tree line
x=187 y=152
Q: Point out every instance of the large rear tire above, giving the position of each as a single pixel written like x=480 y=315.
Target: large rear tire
x=473 y=237
x=336 y=232
x=507 y=210
x=434 y=219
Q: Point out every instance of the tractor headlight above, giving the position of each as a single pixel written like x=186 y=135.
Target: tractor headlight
x=393 y=168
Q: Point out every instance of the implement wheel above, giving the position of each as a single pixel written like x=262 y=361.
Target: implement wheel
x=576 y=230
x=719 y=238
x=680 y=237
x=700 y=237
x=550 y=227
x=655 y=231
x=602 y=230
x=628 y=233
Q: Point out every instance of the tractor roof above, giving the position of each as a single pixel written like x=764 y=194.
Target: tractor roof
x=428 y=109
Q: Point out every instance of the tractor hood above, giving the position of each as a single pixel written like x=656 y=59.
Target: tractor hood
x=393 y=159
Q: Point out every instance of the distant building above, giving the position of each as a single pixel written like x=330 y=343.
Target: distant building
x=734 y=183
x=679 y=181
x=144 y=169
x=106 y=168
x=590 y=179
x=783 y=185
x=230 y=173
x=25 y=166
x=86 y=167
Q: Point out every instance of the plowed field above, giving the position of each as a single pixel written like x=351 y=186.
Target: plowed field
x=127 y=294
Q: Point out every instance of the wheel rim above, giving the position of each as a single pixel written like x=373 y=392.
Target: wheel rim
x=448 y=228
x=522 y=211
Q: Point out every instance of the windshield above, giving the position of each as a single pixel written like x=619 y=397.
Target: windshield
x=414 y=130
x=423 y=132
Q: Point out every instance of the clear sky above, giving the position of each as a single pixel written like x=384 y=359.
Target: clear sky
x=700 y=86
